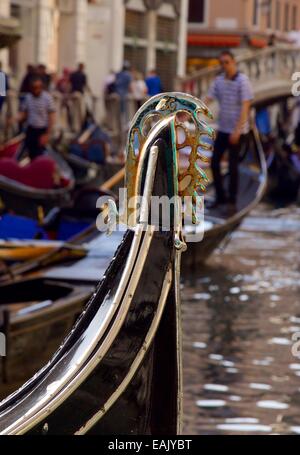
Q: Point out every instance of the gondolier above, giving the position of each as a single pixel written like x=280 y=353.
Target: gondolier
x=38 y=109
x=234 y=94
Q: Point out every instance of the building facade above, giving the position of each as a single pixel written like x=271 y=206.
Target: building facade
x=101 y=34
x=155 y=37
x=215 y=25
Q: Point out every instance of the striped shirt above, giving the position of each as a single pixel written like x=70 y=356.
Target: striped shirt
x=230 y=93
x=38 y=109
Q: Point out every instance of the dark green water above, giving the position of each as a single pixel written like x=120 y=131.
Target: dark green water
x=241 y=317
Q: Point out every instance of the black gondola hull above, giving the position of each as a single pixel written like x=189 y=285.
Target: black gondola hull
x=118 y=372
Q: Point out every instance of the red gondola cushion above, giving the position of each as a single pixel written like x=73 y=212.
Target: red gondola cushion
x=9 y=151
x=41 y=173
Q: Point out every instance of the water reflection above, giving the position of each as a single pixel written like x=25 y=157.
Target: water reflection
x=240 y=313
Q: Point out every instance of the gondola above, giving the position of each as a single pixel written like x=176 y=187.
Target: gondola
x=32 y=202
x=28 y=200
x=19 y=258
x=35 y=315
x=118 y=372
x=87 y=166
x=22 y=257
x=283 y=177
x=218 y=225
x=23 y=238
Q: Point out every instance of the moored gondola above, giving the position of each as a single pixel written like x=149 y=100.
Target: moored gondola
x=118 y=372
x=89 y=156
x=53 y=189
x=23 y=238
x=35 y=315
x=283 y=174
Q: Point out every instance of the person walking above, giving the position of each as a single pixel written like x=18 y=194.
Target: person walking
x=138 y=89
x=78 y=100
x=4 y=87
x=153 y=83
x=233 y=92
x=26 y=81
x=122 y=87
x=44 y=75
x=38 y=110
x=63 y=84
x=110 y=84
x=78 y=80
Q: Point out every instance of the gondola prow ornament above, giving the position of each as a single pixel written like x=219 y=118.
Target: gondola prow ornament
x=179 y=120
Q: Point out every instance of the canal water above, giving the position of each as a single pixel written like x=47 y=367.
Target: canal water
x=241 y=324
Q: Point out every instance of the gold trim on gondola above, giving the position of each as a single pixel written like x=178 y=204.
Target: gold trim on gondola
x=185 y=114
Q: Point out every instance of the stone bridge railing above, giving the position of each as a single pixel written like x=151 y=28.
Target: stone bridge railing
x=71 y=112
x=270 y=71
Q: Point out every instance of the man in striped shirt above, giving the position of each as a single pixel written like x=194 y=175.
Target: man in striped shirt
x=234 y=94
x=38 y=110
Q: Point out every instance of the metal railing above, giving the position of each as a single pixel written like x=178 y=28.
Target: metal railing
x=71 y=112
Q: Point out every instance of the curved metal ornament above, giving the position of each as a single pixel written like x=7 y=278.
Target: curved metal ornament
x=185 y=114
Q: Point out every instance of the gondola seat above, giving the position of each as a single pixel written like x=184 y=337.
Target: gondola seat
x=9 y=151
x=41 y=173
x=93 y=152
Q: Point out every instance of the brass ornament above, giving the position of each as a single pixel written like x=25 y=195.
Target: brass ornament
x=187 y=115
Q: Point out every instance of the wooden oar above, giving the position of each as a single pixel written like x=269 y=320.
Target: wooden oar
x=15 y=140
x=86 y=134
x=114 y=180
x=22 y=251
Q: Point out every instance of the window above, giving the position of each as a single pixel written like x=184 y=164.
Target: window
x=269 y=13
x=286 y=17
x=15 y=11
x=137 y=57
x=277 y=15
x=167 y=30
x=166 y=64
x=135 y=24
x=197 y=11
x=295 y=18
x=13 y=52
x=255 y=12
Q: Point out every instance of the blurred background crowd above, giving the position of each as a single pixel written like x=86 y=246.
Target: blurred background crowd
x=171 y=39
x=99 y=60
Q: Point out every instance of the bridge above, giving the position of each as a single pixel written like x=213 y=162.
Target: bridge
x=270 y=71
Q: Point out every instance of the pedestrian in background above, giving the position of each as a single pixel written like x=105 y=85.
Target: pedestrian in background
x=79 y=88
x=123 y=81
x=110 y=84
x=138 y=89
x=79 y=80
x=234 y=93
x=44 y=75
x=38 y=110
x=154 y=83
x=4 y=87
x=63 y=84
x=26 y=82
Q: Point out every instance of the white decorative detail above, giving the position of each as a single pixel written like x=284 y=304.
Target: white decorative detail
x=228 y=22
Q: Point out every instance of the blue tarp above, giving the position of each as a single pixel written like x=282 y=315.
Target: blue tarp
x=18 y=227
